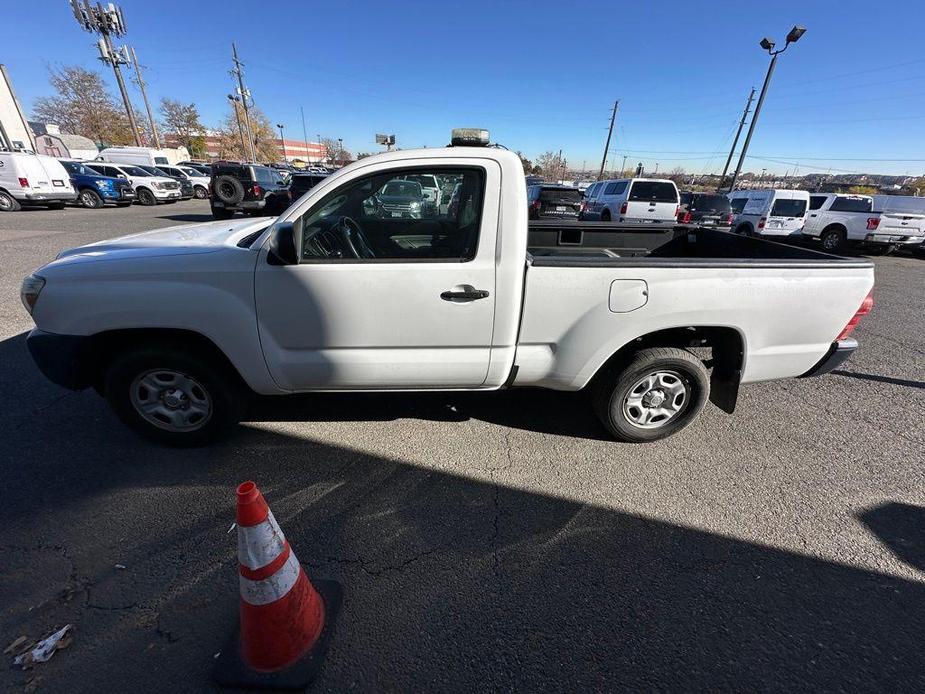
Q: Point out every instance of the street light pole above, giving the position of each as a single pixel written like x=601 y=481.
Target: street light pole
x=282 y=141
x=768 y=45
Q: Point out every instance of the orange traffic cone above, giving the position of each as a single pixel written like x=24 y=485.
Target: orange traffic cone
x=285 y=620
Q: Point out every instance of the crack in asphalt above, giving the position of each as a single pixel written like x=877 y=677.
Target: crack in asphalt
x=366 y=564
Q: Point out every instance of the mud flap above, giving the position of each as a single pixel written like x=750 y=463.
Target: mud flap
x=724 y=389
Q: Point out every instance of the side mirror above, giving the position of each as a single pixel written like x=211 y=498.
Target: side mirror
x=282 y=245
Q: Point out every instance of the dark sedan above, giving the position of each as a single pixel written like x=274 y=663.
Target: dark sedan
x=706 y=209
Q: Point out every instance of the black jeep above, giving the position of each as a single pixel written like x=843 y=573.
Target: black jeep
x=250 y=188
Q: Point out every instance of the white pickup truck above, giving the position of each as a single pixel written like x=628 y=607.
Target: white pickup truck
x=177 y=326
x=838 y=220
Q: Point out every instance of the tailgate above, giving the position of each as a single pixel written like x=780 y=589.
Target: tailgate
x=907 y=224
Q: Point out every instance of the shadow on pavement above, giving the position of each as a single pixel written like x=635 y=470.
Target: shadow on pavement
x=452 y=582
x=188 y=217
x=901 y=527
x=880 y=379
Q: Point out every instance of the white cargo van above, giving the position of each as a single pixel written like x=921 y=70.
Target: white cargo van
x=632 y=200
x=33 y=179
x=139 y=156
x=770 y=212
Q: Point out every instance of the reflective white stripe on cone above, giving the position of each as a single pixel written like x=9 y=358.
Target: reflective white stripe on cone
x=273 y=588
x=260 y=544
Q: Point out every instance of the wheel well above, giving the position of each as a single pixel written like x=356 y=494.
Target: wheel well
x=106 y=346
x=726 y=356
x=838 y=227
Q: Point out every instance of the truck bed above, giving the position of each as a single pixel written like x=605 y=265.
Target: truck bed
x=601 y=244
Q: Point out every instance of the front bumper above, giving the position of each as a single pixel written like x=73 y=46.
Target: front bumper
x=65 y=360
x=166 y=194
x=836 y=356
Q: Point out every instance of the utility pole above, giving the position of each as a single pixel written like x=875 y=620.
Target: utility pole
x=244 y=94
x=768 y=45
x=624 y=166
x=748 y=105
x=237 y=116
x=107 y=22
x=144 y=96
x=305 y=135
x=613 y=117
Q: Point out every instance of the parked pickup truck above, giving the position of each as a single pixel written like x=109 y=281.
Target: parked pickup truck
x=176 y=326
x=839 y=220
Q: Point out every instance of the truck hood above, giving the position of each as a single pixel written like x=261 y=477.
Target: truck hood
x=185 y=239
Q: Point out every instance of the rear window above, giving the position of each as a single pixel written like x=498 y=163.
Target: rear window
x=263 y=174
x=738 y=204
x=161 y=160
x=711 y=203
x=788 y=208
x=852 y=205
x=654 y=191
x=570 y=195
x=425 y=181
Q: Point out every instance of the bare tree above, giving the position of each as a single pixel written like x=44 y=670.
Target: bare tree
x=83 y=106
x=334 y=152
x=555 y=168
x=183 y=120
x=265 y=139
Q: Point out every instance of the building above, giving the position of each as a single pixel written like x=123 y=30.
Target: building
x=211 y=139
x=14 y=130
x=309 y=152
x=51 y=141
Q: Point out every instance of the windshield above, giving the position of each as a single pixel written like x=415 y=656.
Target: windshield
x=654 y=191
x=75 y=168
x=788 y=208
x=191 y=172
x=135 y=171
x=710 y=203
x=402 y=189
x=425 y=181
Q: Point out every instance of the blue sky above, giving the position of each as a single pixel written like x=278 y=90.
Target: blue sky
x=850 y=96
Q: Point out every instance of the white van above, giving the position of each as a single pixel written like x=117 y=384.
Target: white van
x=640 y=200
x=770 y=212
x=33 y=179
x=139 y=156
x=149 y=189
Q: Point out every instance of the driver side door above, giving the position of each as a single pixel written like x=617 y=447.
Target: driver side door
x=410 y=305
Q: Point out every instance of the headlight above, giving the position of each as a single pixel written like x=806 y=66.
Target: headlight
x=156 y=184
x=415 y=206
x=30 y=290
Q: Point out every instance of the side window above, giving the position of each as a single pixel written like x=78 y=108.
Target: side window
x=611 y=189
x=851 y=205
x=816 y=201
x=738 y=204
x=390 y=216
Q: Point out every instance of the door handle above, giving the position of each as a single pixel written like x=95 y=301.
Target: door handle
x=471 y=294
x=813 y=215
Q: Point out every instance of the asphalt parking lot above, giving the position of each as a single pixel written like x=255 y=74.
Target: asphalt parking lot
x=484 y=542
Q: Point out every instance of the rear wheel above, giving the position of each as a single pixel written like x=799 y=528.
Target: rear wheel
x=744 y=230
x=145 y=197
x=657 y=394
x=172 y=395
x=221 y=213
x=90 y=199
x=8 y=203
x=833 y=239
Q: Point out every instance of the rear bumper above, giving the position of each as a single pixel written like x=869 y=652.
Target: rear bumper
x=62 y=359
x=891 y=239
x=836 y=356
x=49 y=197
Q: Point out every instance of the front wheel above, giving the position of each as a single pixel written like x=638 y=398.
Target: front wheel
x=173 y=396
x=145 y=197
x=657 y=394
x=200 y=193
x=90 y=199
x=8 y=203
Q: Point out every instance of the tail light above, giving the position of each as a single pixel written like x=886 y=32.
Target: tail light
x=258 y=191
x=583 y=207
x=686 y=219
x=536 y=205
x=729 y=219
x=872 y=222
x=623 y=207
x=864 y=309
x=24 y=183
x=761 y=222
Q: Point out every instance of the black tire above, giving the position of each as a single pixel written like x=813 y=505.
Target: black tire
x=605 y=216
x=882 y=248
x=8 y=203
x=145 y=197
x=613 y=388
x=200 y=193
x=209 y=383
x=744 y=230
x=90 y=199
x=222 y=213
x=55 y=206
x=833 y=239
x=228 y=189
